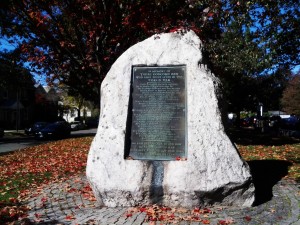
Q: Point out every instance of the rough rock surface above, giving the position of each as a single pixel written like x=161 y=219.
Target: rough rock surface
x=213 y=173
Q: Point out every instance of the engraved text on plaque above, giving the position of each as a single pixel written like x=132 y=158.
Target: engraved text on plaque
x=158 y=130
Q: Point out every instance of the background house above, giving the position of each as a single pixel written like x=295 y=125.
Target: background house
x=46 y=103
x=22 y=105
x=22 y=102
x=16 y=106
x=75 y=108
x=16 y=96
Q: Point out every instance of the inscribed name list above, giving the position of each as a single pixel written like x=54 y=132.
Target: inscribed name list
x=158 y=130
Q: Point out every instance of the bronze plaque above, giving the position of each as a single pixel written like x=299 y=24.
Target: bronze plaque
x=158 y=123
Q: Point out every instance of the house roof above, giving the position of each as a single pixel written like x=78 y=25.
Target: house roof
x=11 y=104
x=49 y=92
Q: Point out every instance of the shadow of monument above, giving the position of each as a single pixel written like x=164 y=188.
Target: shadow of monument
x=156 y=188
x=266 y=173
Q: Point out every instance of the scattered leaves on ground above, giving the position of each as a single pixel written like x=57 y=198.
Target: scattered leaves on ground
x=175 y=215
x=31 y=168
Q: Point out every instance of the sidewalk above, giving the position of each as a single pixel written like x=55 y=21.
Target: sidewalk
x=14 y=135
x=72 y=202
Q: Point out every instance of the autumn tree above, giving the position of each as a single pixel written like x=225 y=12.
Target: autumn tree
x=76 y=41
x=72 y=101
x=291 y=96
x=12 y=74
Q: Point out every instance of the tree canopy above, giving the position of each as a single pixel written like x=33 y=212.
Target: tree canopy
x=12 y=74
x=76 y=41
x=291 y=96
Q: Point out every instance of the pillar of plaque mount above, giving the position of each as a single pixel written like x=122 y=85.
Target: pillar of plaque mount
x=159 y=113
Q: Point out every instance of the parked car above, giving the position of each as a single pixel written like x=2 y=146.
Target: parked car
x=1 y=132
x=290 y=123
x=36 y=127
x=57 y=130
x=275 y=122
x=77 y=125
x=262 y=123
x=92 y=122
x=245 y=122
x=248 y=121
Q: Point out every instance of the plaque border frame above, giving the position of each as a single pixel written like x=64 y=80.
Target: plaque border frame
x=128 y=129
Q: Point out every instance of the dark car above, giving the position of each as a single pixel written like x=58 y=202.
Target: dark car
x=55 y=130
x=262 y=123
x=290 y=123
x=275 y=121
x=77 y=125
x=35 y=128
x=92 y=122
x=248 y=121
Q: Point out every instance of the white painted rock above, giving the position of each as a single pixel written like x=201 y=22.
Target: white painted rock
x=213 y=173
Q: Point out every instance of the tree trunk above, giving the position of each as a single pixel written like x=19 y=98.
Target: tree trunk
x=78 y=114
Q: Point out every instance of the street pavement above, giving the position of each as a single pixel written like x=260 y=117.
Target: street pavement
x=67 y=203
x=9 y=147
x=14 y=140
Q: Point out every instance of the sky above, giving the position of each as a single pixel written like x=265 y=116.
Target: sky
x=6 y=46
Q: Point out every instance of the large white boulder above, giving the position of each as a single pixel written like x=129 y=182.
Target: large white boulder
x=213 y=173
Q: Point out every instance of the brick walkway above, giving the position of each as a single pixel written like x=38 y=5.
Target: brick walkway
x=71 y=202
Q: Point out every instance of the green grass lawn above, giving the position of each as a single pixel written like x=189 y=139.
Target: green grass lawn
x=34 y=166
x=288 y=152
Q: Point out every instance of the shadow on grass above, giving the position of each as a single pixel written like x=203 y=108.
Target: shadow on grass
x=266 y=173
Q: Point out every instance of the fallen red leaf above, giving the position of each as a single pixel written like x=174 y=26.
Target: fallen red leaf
x=206 y=210
x=166 y=208
x=247 y=218
x=142 y=209
x=13 y=200
x=161 y=218
x=196 y=218
x=226 y=222
x=70 y=217
x=205 y=221
x=196 y=210
x=153 y=219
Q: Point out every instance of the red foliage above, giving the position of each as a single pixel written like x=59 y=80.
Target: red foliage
x=88 y=36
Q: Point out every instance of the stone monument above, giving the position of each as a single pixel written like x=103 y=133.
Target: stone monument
x=160 y=137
